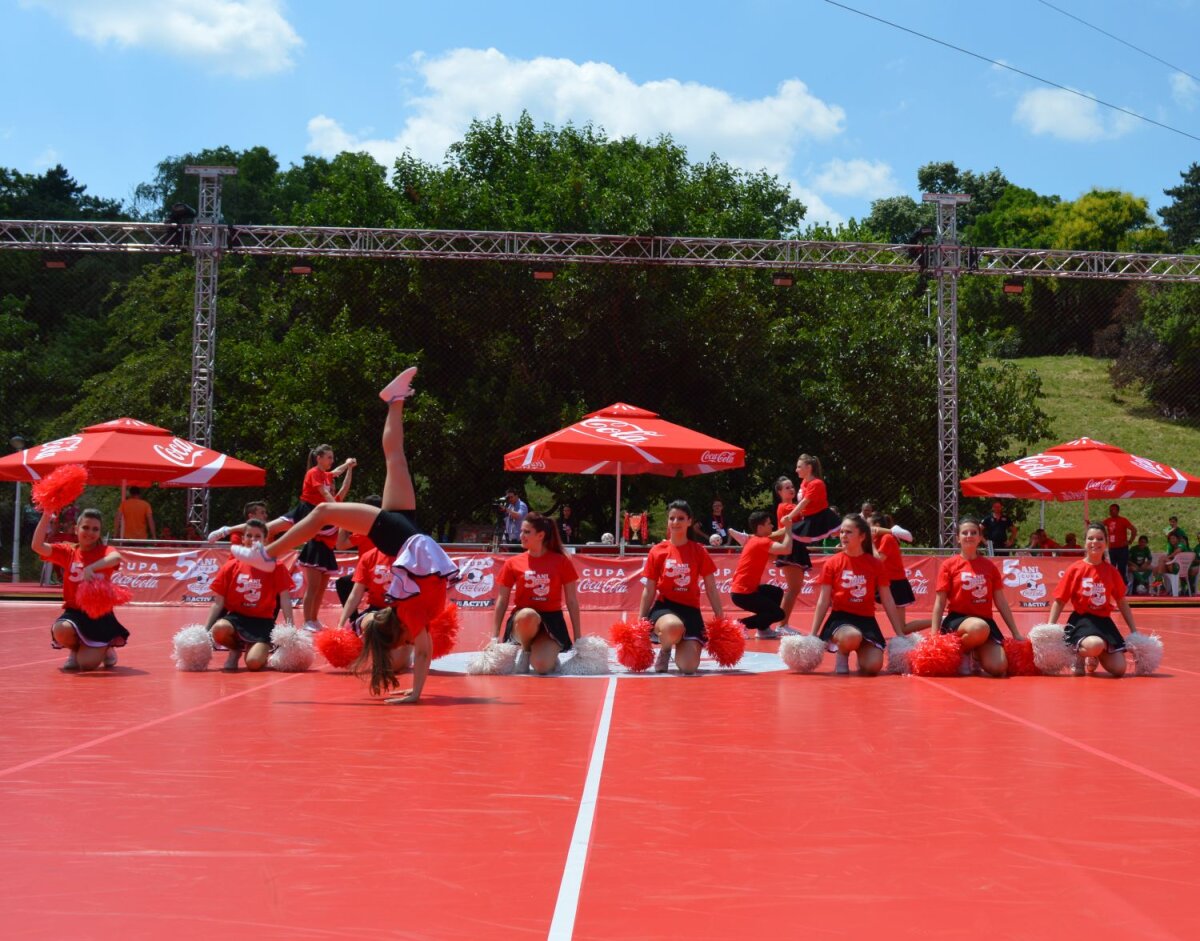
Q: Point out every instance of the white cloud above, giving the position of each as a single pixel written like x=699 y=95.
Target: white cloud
x=865 y=179
x=1059 y=113
x=1185 y=90
x=46 y=159
x=818 y=211
x=756 y=134
x=238 y=37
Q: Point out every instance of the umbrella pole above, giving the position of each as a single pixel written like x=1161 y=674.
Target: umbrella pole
x=617 y=521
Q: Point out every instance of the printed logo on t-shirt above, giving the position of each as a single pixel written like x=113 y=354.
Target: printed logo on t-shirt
x=679 y=572
x=381 y=575
x=856 y=584
x=537 y=583
x=1095 y=591
x=976 y=584
x=249 y=587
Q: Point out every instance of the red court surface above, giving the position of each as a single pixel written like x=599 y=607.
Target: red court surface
x=147 y=803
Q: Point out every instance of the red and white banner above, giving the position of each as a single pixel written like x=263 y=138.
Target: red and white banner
x=606 y=583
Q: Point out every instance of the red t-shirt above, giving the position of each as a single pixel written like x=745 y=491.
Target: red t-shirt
x=813 y=490
x=248 y=591
x=314 y=480
x=71 y=559
x=1091 y=589
x=887 y=547
x=677 y=571
x=854 y=580
x=969 y=584
x=756 y=553
x=374 y=572
x=1118 y=529
x=781 y=511
x=537 y=581
x=361 y=543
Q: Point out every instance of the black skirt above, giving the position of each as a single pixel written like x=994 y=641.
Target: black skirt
x=820 y=525
x=392 y=529
x=950 y=624
x=299 y=511
x=250 y=630
x=1080 y=626
x=867 y=626
x=693 y=620
x=317 y=555
x=553 y=623
x=104 y=631
x=902 y=593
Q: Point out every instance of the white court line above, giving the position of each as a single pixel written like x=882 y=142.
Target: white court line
x=562 y=927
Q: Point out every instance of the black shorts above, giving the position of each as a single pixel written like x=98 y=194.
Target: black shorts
x=1080 y=626
x=867 y=626
x=951 y=622
x=902 y=593
x=250 y=630
x=317 y=555
x=298 y=512
x=797 y=556
x=392 y=529
x=693 y=620
x=553 y=623
x=104 y=631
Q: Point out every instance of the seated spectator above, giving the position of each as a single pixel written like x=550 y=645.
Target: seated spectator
x=1141 y=565
x=1071 y=543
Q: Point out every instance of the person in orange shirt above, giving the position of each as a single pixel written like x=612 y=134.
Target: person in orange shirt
x=136 y=516
x=748 y=592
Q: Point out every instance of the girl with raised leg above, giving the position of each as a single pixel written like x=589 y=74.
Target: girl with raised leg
x=968 y=587
x=1094 y=587
x=420 y=567
x=540 y=578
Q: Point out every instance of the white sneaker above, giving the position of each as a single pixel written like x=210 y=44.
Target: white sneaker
x=218 y=534
x=1078 y=668
x=399 y=388
x=662 y=662
x=787 y=631
x=255 y=556
x=71 y=663
x=313 y=626
x=521 y=665
x=110 y=659
x=841 y=664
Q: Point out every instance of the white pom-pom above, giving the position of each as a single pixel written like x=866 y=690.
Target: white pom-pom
x=802 y=654
x=1051 y=652
x=293 y=651
x=589 y=657
x=899 y=649
x=1147 y=652
x=495 y=658
x=193 y=648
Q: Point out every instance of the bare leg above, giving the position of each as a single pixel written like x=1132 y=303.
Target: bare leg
x=398 y=492
x=356 y=517
x=992 y=659
x=257 y=656
x=315 y=583
x=973 y=632
x=847 y=639
x=670 y=632
x=543 y=655
x=795 y=582
x=687 y=655
x=870 y=659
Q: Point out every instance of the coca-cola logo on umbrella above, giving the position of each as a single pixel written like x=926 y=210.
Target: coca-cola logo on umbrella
x=180 y=453
x=717 y=457
x=1039 y=465
x=1152 y=467
x=621 y=430
x=58 y=446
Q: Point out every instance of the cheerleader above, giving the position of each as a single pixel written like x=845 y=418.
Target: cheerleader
x=671 y=598
x=793 y=571
x=540 y=577
x=372 y=578
x=850 y=580
x=419 y=570
x=748 y=592
x=1094 y=587
x=90 y=642
x=887 y=548
x=968 y=586
x=245 y=602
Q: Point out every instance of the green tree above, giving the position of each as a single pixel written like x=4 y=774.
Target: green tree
x=1182 y=217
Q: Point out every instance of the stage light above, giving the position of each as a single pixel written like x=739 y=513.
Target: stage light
x=782 y=279
x=56 y=264
x=543 y=274
x=181 y=214
x=300 y=269
x=1012 y=286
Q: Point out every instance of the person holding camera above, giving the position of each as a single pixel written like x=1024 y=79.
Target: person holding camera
x=513 y=511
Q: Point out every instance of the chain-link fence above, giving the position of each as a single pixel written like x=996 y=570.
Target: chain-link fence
x=837 y=364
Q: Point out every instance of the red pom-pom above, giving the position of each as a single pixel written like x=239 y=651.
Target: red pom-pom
x=937 y=655
x=61 y=488
x=632 y=639
x=726 y=640
x=1019 y=654
x=340 y=646
x=99 y=596
x=443 y=630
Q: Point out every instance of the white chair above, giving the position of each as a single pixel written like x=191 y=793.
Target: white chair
x=1184 y=560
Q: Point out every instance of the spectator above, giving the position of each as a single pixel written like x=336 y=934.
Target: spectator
x=1047 y=542
x=1169 y=564
x=999 y=530
x=1141 y=563
x=713 y=530
x=1120 y=533
x=1174 y=528
x=568 y=526
x=1071 y=543
x=136 y=517
x=515 y=510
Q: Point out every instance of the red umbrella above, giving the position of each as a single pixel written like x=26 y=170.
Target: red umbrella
x=1079 y=470
x=625 y=439
x=126 y=450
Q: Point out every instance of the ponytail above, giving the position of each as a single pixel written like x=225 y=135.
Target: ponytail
x=317 y=452
x=381 y=633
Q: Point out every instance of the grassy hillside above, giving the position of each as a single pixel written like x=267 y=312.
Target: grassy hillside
x=1080 y=400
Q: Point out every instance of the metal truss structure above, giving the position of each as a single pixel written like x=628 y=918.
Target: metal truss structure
x=207 y=239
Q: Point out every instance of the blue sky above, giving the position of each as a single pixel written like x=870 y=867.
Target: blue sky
x=843 y=108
